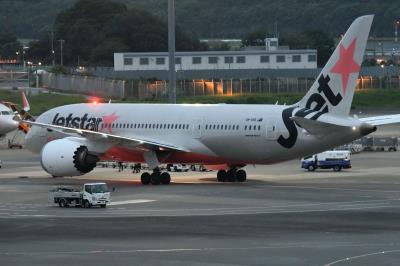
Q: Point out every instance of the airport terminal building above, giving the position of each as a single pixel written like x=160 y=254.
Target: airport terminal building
x=218 y=60
x=269 y=57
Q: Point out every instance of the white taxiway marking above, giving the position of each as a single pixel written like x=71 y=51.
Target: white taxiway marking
x=124 y=202
x=362 y=256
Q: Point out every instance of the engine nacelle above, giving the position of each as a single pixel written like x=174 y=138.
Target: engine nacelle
x=65 y=157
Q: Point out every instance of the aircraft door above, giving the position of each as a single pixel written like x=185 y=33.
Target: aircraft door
x=197 y=128
x=271 y=130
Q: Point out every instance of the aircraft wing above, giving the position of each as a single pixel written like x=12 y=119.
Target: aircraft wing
x=381 y=120
x=139 y=143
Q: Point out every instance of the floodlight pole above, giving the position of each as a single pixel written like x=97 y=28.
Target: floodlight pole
x=171 y=50
x=62 y=52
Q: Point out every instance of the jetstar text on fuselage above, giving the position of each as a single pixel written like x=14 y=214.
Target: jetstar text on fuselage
x=82 y=122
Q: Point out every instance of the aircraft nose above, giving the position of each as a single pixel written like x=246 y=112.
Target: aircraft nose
x=9 y=125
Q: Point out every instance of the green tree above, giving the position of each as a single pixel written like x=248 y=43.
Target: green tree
x=314 y=39
x=255 y=38
x=94 y=29
x=9 y=45
x=40 y=50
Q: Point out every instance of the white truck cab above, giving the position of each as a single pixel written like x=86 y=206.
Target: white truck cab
x=96 y=194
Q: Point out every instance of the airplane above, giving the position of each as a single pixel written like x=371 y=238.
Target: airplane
x=9 y=120
x=73 y=138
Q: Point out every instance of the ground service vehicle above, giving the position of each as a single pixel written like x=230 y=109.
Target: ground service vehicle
x=178 y=167
x=380 y=143
x=92 y=194
x=336 y=160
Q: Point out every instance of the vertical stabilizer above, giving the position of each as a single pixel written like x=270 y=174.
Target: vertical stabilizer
x=333 y=90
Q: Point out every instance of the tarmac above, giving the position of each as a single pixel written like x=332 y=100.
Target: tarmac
x=282 y=215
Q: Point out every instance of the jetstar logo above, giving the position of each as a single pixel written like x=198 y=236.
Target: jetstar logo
x=108 y=120
x=316 y=103
x=82 y=122
x=346 y=64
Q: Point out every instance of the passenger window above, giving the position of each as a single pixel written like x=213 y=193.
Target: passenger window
x=259 y=128
x=226 y=127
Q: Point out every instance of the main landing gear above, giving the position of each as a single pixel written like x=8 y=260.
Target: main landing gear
x=232 y=175
x=156 y=178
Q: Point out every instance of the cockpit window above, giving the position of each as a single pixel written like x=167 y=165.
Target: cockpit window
x=6 y=113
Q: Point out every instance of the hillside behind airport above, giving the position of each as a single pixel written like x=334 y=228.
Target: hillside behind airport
x=221 y=18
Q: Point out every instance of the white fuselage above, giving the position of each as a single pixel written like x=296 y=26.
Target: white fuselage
x=7 y=121
x=235 y=134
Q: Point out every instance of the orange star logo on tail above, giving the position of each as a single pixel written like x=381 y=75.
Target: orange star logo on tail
x=346 y=64
x=108 y=120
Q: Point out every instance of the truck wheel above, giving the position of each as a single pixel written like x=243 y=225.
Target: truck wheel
x=62 y=203
x=103 y=205
x=311 y=168
x=86 y=204
x=337 y=168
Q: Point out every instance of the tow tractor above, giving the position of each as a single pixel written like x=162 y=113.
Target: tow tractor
x=91 y=194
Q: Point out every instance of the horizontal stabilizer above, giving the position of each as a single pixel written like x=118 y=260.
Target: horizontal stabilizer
x=333 y=125
x=315 y=127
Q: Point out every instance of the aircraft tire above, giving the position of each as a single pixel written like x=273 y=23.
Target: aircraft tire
x=155 y=178
x=231 y=175
x=165 y=178
x=241 y=175
x=145 y=178
x=221 y=176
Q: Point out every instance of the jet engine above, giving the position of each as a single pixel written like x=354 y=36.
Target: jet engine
x=66 y=157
